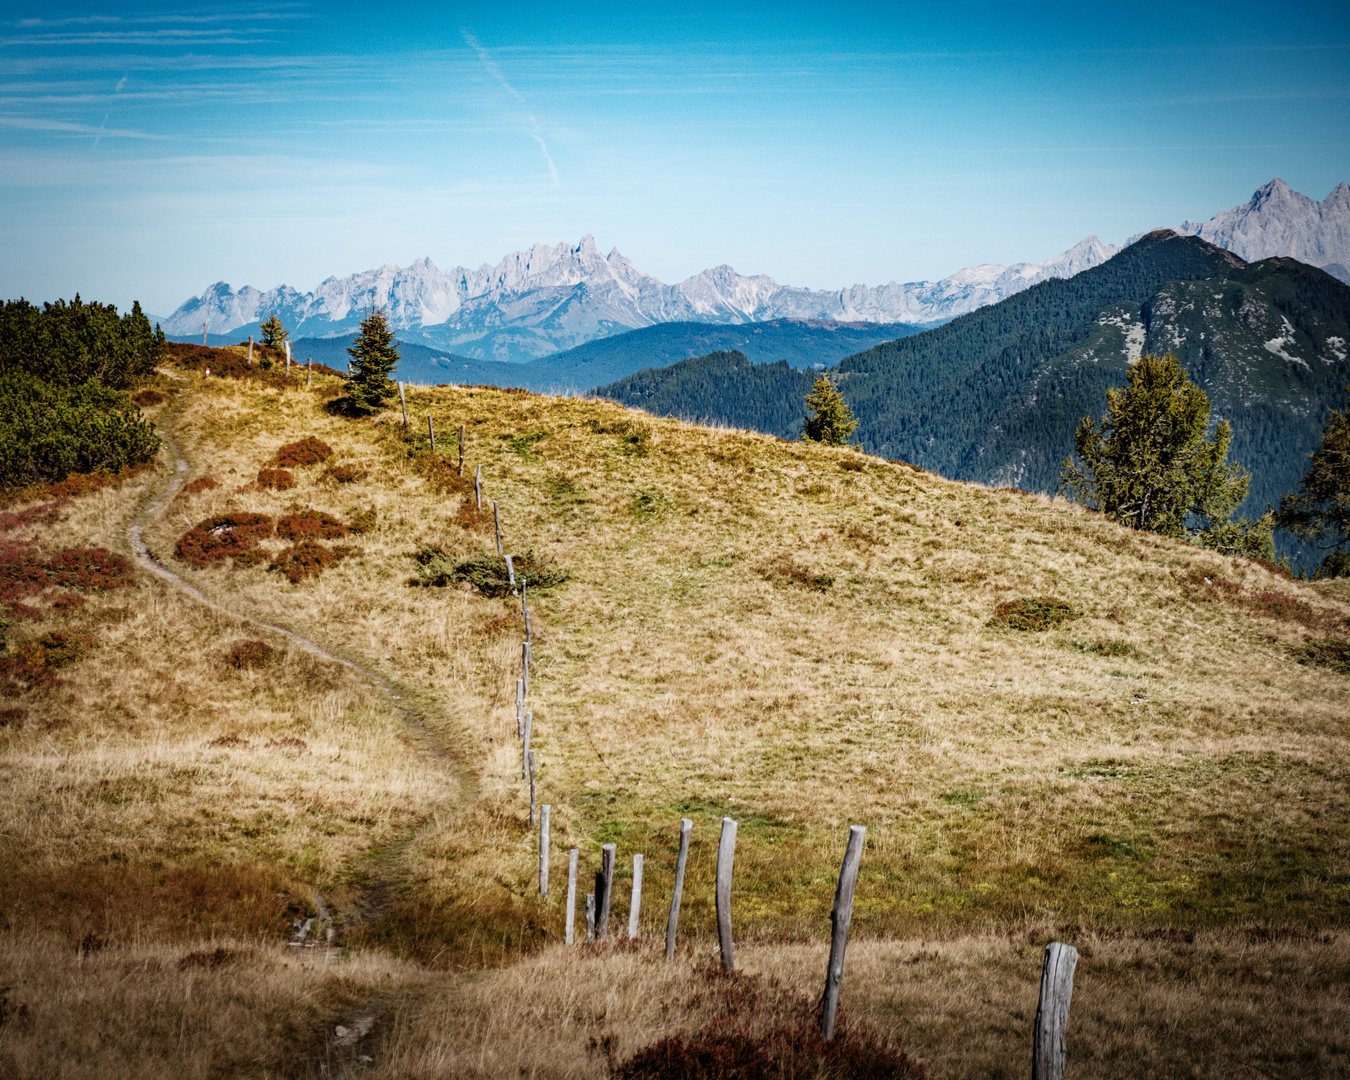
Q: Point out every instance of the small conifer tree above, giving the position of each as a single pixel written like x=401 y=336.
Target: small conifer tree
x=1320 y=511
x=833 y=421
x=374 y=357
x=274 y=335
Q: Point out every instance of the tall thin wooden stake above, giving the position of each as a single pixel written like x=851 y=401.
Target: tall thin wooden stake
x=529 y=761
x=461 y=449
x=288 y=359
x=520 y=708
x=544 y=814
x=497 y=524
x=570 y=925
x=478 y=486
x=604 y=887
x=403 y=400
x=309 y=373
x=204 y=326
x=250 y=350
x=525 y=668
x=726 y=855
x=1052 y=1013
x=590 y=916
x=673 y=919
x=525 y=750
x=431 y=433
x=840 y=917
x=525 y=607
x=635 y=906
x=510 y=571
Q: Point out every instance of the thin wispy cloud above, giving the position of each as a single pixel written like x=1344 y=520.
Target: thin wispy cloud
x=490 y=66
x=25 y=123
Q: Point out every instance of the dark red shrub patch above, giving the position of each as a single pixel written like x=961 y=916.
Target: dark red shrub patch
x=346 y=474
x=311 y=525
x=307 y=559
x=471 y=516
x=276 y=479
x=11 y=717
x=90 y=568
x=19 y=673
x=243 y=655
x=221 y=536
x=22 y=574
x=42 y=514
x=202 y=483
x=250 y=558
x=296 y=455
x=68 y=602
x=147 y=398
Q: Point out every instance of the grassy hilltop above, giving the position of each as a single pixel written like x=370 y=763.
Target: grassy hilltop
x=795 y=636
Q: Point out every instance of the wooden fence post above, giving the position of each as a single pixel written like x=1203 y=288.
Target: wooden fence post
x=673 y=919
x=204 y=326
x=288 y=359
x=525 y=749
x=635 y=906
x=461 y=449
x=309 y=373
x=510 y=571
x=1052 y=1013
x=525 y=607
x=840 y=917
x=590 y=916
x=250 y=350
x=520 y=708
x=544 y=814
x=431 y=433
x=403 y=400
x=529 y=757
x=604 y=887
x=726 y=854
x=496 y=523
x=525 y=667
x=478 y=486
x=569 y=927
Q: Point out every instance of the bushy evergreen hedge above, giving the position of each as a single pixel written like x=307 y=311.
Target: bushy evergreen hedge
x=69 y=343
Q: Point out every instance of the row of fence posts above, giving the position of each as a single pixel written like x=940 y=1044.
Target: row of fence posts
x=1052 y=1012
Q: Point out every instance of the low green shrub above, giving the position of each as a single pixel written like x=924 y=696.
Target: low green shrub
x=1333 y=653
x=485 y=571
x=1034 y=613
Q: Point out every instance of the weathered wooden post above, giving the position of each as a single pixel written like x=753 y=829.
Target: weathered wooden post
x=478 y=486
x=635 y=906
x=309 y=373
x=529 y=757
x=525 y=606
x=1052 y=1013
x=525 y=749
x=250 y=350
x=570 y=925
x=496 y=524
x=726 y=855
x=288 y=359
x=840 y=918
x=403 y=400
x=520 y=708
x=673 y=919
x=590 y=915
x=204 y=326
x=510 y=571
x=604 y=888
x=544 y=813
x=461 y=449
x=525 y=668
x=431 y=433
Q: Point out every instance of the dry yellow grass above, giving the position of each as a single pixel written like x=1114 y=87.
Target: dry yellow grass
x=796 y=636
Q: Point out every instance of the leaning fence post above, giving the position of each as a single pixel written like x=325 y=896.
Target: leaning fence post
x=496 y=523
x=570 y=926
x=431 y=433
x=840 y=918
x=590 y=916
x=461 y=449
x=520 y=708
x=635 y=907
x=544 y=813
x=510 y=571
x=1052 y=1013
x=529 y=757
x=478 y=486
x=604 y=887
x=309 y=373
x=403 y=400
x=726 y=854
x=525 y=749
x=673 y=919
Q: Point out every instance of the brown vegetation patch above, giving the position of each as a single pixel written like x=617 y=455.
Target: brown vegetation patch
x=42 y=514
x=765 y=1032
x=90 y=568
x=852 y=465
x=228 y=742
x=246 y=655
x=148 y=398
x=73 y=486
x=298 y=455
x=307 y=559
x=438 y=472
x=1333 y=653
x=311 y=525
x=788 y=572
x=276 y=479
x=202 y=483
x=346 y=474
x=512 y=624
x=470 y=516
x=231 y=362
x=1034 y=613
x=55 y=649
x=213 y=958
x=486 y=571
x=11 y=717
x=219 y=537
x=362 y=521
x=25 y=573
x=288 y=743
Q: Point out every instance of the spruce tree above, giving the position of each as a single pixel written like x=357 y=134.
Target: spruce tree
x=1150 y=466
x=1320 y=512
x=833 y=421
x=374 y=357
x=274 y=335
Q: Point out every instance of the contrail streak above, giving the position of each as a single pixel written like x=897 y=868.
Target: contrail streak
x=492 y=69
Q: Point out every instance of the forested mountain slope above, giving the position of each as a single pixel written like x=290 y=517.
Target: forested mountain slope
x=995 y=395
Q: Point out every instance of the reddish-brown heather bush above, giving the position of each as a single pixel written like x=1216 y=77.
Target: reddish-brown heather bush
x=11 y=717
x=202 y=483
x=22 y=574
x=219 y=537
x=307 y=559
x=346 y=474
x=297 y=455
x=18 y=673
x=288 y=743
x=68 y=602
x=245 y=655
x=276 y=479
x=148 y=398
x=231 y=740
x=443 y=476
x=90 y=568
x=231 y=363
x=250 y=558
x=72 y=486
x=25 y=573
x=470 y=516
x=311 y=525
x=42 y=514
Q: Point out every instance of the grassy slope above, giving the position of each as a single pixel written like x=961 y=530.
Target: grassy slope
x=1159 y=761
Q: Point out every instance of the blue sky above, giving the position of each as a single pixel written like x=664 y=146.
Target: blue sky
x=147 y=151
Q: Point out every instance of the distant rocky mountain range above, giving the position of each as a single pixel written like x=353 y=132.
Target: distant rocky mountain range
x=549 y=299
